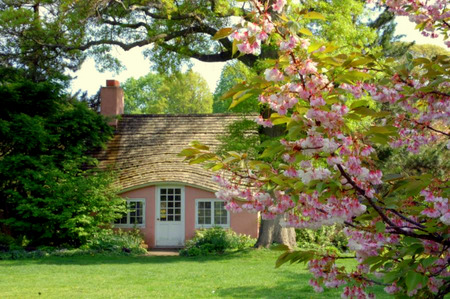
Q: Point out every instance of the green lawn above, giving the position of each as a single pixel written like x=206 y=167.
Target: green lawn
x=239 y=275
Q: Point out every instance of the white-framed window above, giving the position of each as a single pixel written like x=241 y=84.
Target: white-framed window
x=135 y=216
x=211 y=212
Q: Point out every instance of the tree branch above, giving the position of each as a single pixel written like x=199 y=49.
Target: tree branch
x=386 y=219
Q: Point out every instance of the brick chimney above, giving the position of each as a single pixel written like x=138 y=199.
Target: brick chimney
x=111 y=101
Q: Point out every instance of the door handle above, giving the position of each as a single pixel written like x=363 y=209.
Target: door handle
x=157 y=219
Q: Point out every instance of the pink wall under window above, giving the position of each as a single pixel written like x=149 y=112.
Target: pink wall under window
x=242 y=223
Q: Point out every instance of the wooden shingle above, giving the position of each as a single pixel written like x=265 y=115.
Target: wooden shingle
x=145 y=147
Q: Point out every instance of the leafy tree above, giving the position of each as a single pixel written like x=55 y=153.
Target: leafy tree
x=48 y=37
x=385 y=26
x=428 y=51
x=50 y=194
x=176 y=93
x=233 y=73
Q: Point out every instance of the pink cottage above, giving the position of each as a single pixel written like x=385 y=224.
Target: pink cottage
x=168 y=198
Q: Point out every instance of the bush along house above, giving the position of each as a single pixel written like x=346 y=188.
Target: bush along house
x=168 y=199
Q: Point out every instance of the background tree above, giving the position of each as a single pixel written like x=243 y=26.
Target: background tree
x=385 y=26
x=50 y=194
x=48 y=37
x=234 y=72
x=164 y=94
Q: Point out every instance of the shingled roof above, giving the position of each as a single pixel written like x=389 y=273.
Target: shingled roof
x=145 y=147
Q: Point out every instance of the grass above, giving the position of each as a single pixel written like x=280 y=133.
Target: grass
x=247 y=274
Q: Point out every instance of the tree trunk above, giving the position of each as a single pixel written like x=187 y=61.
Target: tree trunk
x=270 y=231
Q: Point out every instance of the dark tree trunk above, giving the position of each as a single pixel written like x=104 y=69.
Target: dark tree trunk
x=271 y=232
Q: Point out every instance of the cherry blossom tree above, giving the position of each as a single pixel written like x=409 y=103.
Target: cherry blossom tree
x=336 y=109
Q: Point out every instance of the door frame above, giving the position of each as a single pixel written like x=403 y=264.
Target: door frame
x=158 y=207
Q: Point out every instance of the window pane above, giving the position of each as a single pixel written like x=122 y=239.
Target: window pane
x=178 y=218
x=220 y=214
x=163 y=191
x=203 y=213
x=170 y=191
x=122 y=220
x=177 y=191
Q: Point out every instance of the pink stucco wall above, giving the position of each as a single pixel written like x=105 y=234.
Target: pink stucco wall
x=242 y=223
x=150 y=207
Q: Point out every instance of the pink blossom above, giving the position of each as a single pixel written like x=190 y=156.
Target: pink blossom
x=316 y=102
x=233 y=207
x=309 y=67
x=392 y=289
x=273 y=75
x=278 y=5
x=445 y=218
x=264 y=122
x=430 y=212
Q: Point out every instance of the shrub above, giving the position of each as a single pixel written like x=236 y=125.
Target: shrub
x=215 y=240
x=51 y=191
x=116 y=241
x=326 y=237
x=6 y=241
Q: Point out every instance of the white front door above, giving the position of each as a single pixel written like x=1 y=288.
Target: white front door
x=169 y=216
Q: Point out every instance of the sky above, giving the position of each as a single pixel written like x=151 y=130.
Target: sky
x=90 y=80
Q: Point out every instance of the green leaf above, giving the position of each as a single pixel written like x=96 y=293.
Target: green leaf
x=361 y=61
x=306 y=31
x=271 y=151
x=222 y=33
x=379 y=138
x=234 y=47
x=199 y=145
x=352 y=76
x=283 y=258
x=365 y=112
x=202 y=158
x=235 y=89
x=277 y=180
x=380 y=227
x=359 y=103
x=280 y=247
x=413 y=278
x=391 y=276
x=314 y=46
x=188 y=152
x=314 y=15
x=218 y=166
x=373 y=260
x=239 y=100
x=279 y=119
x=428 y=261
x=392 y=177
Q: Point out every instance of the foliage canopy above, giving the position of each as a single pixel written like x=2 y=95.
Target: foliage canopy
x=50 y=194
